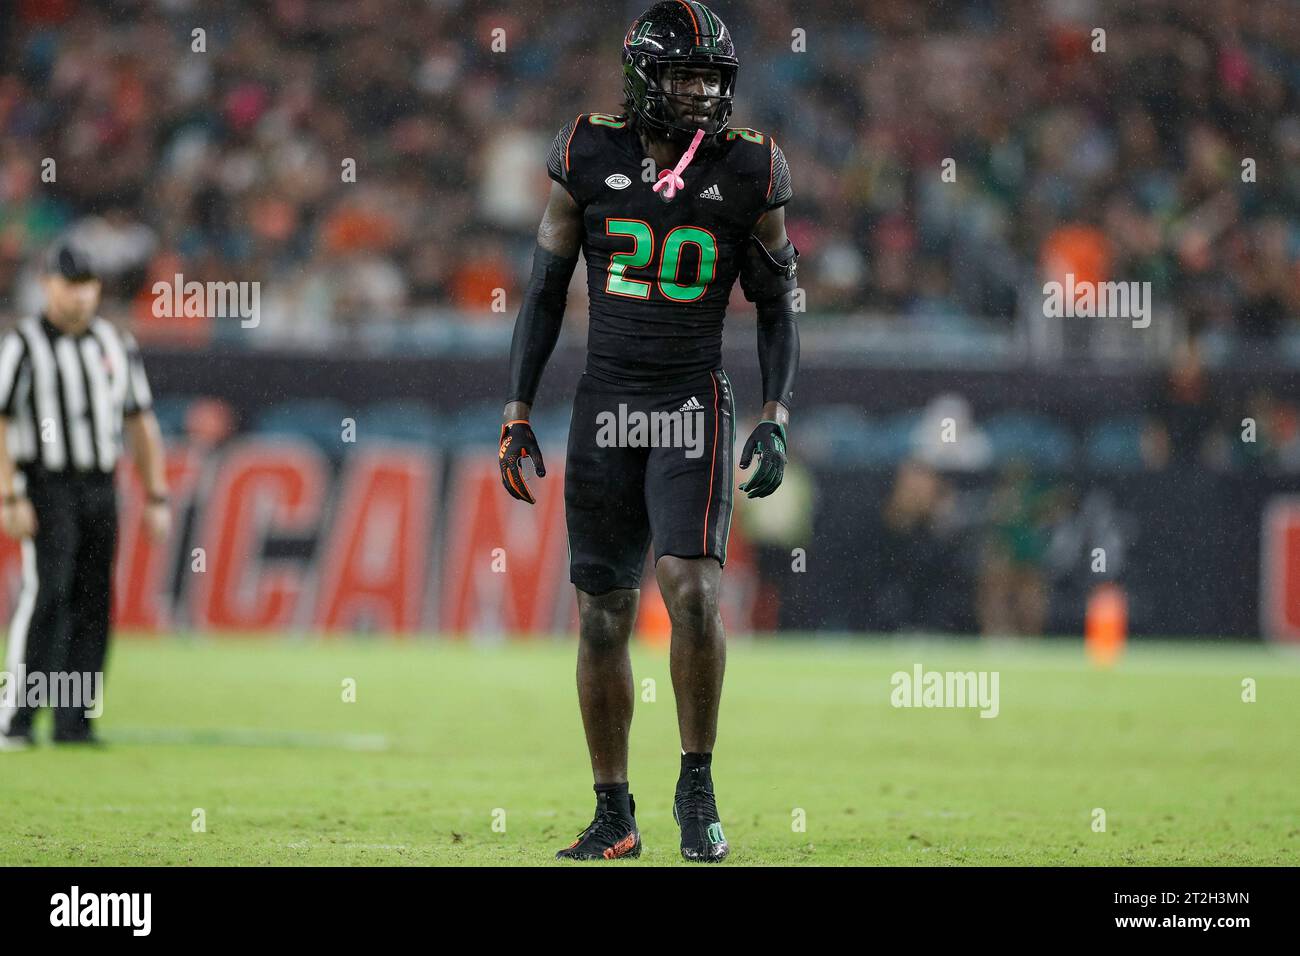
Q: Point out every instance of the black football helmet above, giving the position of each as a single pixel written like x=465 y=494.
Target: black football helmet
x=671 y=33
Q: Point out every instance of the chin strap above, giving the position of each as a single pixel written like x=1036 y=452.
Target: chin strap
x=670 y=180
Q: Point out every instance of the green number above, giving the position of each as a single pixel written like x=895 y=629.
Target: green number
x=638 y=258
x=672 y=257
x=605 y=119
x=670 y=260
x=749 y=135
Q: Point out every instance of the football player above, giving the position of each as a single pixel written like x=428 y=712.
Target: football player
x=663 y=251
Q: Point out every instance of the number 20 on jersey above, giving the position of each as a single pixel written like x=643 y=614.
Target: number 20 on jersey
x=643 y=253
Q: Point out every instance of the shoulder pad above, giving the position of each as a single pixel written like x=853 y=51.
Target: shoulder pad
x=557 y=162
x=779 y=191
x=769 y=158
x=574 y=139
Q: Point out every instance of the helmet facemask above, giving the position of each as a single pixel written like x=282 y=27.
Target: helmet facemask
x=674 y=102
x=648 y=84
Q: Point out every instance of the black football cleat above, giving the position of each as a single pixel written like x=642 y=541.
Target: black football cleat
x=612 y=834
x=696 y=812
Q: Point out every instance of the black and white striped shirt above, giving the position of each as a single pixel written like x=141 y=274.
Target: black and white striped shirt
x=65 y=395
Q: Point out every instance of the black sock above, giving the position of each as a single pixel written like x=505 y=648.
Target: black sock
x=615 y=795
x=696 y=768
x=690 y=761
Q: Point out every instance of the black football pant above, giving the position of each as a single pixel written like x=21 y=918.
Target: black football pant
x=621 y=494
x=61 y=623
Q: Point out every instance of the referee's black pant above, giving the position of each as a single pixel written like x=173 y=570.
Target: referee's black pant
x=61 y=622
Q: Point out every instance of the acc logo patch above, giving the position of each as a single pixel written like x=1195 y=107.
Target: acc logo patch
x=618 y=181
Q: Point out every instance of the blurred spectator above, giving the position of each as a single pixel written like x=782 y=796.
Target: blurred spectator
x=234 y=162
x=1013 y=592
x=781 y=524
x=912 y=558
x=1183 y=413
x=1275 y=432
x=948 y=437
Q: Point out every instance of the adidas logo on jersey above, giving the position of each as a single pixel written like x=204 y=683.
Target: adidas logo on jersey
x=692 y=405
x=712 y=193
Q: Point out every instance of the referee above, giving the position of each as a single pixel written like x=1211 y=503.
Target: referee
x=69 y=384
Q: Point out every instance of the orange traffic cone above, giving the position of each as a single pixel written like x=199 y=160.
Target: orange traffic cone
x=1105 y=628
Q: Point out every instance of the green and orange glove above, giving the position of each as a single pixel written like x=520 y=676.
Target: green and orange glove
x=517 y=443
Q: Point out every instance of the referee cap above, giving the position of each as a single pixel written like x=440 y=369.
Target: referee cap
x=72 y=263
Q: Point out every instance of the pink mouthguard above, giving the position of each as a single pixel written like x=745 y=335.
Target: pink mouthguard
x=670 y=180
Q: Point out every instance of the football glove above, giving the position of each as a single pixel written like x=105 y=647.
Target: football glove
x=517 y=443
x=768 y=442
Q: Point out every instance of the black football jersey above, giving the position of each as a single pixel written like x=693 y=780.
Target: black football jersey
x=659 y=272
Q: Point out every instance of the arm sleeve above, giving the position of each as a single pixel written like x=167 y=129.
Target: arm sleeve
x=13 y=354
x=770 y=281
x=138 y=396
x=538 y=326
x=557 y=162
x=778 y=348
x=778 y=187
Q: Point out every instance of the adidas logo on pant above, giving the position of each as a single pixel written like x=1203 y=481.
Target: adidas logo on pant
x=692 y=405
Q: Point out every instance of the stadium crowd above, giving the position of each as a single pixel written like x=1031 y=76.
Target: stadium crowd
x=224 y=154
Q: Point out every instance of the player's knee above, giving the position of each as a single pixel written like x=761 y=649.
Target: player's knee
x=692 y=601
x=605 y=620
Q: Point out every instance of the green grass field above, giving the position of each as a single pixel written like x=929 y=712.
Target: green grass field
x=443 y=735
